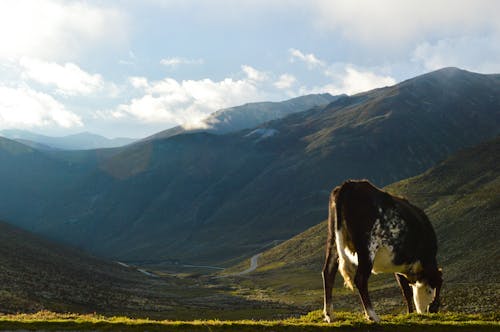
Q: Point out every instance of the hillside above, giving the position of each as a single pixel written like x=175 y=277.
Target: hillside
x=250 y=115
x=209 y=199
x=28 y=175
x=462 y=199
x=36 y=274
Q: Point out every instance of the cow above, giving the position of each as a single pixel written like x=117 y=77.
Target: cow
x=372 y=231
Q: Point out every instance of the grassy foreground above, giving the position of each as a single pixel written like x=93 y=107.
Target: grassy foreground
x=48 y=321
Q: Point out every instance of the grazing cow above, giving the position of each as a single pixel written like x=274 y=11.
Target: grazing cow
x=371 y=231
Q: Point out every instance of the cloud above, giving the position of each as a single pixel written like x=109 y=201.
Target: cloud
x=176 y=61
x=68 y=79
x=23 y=107
x=310 y=59
x=349 y=80
x=50 y=29
x=185 y=102
x=254 y=74
x=285 y=81
x=393 y=23
x=139 y=82
x=479 y=54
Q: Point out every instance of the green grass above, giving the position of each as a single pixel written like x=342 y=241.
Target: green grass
x=50 y=321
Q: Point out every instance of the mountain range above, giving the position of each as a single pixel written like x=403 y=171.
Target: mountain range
x=80 y=141
x=250 y=115
x=206 y=198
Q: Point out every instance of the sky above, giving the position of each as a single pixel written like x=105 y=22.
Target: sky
x=133 y=68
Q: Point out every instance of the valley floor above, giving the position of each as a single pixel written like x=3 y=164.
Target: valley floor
x=48 y=321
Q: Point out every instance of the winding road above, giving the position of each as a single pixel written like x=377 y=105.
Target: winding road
x=253 y=265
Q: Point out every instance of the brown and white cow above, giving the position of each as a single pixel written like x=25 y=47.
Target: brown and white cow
x=371 y=231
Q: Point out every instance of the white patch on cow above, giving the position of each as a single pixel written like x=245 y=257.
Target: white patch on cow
x=348 y=261
x=380 y=246
x=423 y=294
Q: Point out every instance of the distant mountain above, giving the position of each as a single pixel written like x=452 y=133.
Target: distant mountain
x=251 y=115
x=81 y=141
x=211 y=199
x=462 y=199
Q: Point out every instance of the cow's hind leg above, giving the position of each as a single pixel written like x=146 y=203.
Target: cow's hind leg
x=361 y=280
x=329 y=271
x=406 y=290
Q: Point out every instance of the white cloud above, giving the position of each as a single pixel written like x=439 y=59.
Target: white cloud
x=139 y=82
x=285 y=81
x=22 y=107
x=310 y=59
x=394 y=23
x=479 y=54
x=350 y=80
x=50 y=29
x=254 y=74
x=176 y=61
x=185 y=102
x=68 y=79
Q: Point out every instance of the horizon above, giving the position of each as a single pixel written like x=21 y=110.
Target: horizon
x=132 y=69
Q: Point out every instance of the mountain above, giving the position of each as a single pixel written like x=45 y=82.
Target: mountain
x=461 y=196
x=30 y=178
x=251 y=115
x=81 y=141
x=202 y=198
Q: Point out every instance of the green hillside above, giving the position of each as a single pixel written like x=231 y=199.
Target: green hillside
x=462 y=198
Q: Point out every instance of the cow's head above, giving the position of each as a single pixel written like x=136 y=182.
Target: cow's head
x=426 y=293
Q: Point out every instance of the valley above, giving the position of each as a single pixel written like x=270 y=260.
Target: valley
x=204 y=225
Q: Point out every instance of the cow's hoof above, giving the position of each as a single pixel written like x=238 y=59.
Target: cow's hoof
x=372 y=316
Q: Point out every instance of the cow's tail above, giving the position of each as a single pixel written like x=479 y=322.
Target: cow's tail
x=336 y=201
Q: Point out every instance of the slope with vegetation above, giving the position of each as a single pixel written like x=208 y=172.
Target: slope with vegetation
x=39 y=275
x=462 y=199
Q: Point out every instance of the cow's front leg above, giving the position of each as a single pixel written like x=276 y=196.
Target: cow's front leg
x=329 y=272
x=406 y=290
x=361 y=280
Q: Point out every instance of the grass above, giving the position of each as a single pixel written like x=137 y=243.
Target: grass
x=49 y=321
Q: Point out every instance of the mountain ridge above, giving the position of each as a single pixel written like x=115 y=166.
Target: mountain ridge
x=212 y=199
x=249 y=115
x=79 y=141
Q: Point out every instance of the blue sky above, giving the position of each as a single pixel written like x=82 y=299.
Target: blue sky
x=132 y=68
